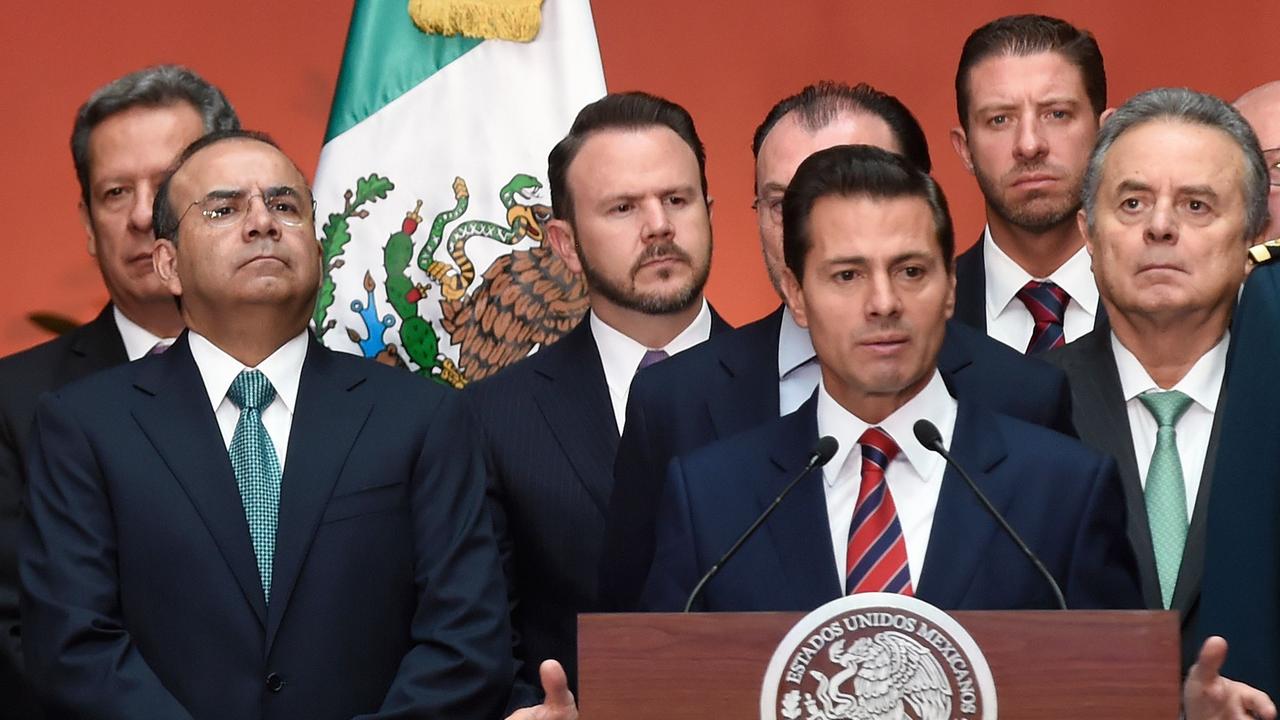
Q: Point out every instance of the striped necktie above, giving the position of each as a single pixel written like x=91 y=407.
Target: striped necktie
x=876 y=560
x=1047 y=304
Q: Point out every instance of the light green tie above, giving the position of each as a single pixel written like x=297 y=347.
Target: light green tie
x=1166 y=493
x=253 y=459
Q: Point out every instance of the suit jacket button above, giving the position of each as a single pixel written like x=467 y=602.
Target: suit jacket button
x=275 y=682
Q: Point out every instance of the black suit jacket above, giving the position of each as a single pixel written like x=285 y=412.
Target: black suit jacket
x=1103 y=423
x=971 y=290
x=1064 y=500
x=24 y=377
x=731 y=384
x=550 y=436
x=141 y=595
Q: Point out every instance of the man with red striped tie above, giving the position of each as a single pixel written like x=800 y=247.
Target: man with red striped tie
x=868 y=244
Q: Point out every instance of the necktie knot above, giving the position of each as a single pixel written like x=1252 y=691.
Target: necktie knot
x=251 y=390
x=878 y=447
x=1044 y=300
x=1166 y=406
x=650 y=357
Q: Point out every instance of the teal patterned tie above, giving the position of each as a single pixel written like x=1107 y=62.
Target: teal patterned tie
x=1166 y=493
x=253 y=458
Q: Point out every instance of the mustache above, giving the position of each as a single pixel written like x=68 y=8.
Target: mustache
x=661 y=251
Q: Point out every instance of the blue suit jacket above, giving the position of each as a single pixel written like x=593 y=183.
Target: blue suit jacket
x=731 y=384
x=1063 y=499
x=1240 y=591
x=141 y=595
x=971 y=291
x=549 y=433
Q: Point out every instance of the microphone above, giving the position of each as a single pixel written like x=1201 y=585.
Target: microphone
x=822 y=453
x=928 y=435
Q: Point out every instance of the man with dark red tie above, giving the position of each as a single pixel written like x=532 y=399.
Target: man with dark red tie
x=868 y=243
x=1030 y=94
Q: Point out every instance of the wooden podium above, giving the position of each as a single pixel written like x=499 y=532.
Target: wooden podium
x=1049 y=665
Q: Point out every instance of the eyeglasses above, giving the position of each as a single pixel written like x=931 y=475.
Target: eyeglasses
x=769 y=208
x=224 y=208
x=1272 y=158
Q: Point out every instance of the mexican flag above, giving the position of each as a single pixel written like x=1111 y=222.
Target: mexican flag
x=431 y=188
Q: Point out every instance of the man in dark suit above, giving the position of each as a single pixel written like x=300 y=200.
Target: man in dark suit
x=1031 y=92
x=767 y=368
x=124 y=138
x=628 y=186
x=250 y=525
x=1175 y=193
x=868 y=241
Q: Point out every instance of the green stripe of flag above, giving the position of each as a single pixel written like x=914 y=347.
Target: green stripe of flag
x=386 y=56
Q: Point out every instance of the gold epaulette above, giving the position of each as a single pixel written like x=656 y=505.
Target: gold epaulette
x=1264 y=252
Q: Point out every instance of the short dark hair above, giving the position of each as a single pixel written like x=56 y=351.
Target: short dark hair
x=164 y=218
x=1022 y=35
x=856 y=171
x=155 y=86
x=820 y=104
x=618 y=111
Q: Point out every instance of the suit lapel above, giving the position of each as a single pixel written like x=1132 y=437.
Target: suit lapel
x=971 y=284
x=1103 y=421
x=176 y=416
x=748 y=362
x=962 y=529
x=97 y=345
x=574 y=399
x=327 y=418
x=799 y=528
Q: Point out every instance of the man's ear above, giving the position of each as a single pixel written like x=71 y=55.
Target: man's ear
x=87 y=220
x=1082 y=224
x=793 y=294
x=1105 y=114
x=164 y=257
x=960 y=143
x=561 y=235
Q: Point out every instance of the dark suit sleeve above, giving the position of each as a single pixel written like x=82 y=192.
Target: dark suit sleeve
x=459 y=665
x=79 y=652
x=11 y=487
x=629 y=527
x=1103 y=574
x=674 y=571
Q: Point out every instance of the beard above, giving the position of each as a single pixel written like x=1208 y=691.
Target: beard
x=624 y=293
x=1039 y=211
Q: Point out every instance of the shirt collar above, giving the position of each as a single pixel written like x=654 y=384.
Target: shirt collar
x=1202 y=383
x=621 y=355
x=137 y=340
x=933 y=403
x=795 y=347
x=283 y=368
x=1006 y=277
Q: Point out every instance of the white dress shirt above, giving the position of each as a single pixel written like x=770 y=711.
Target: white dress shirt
x=1202 y=383
x=283 y=368
x=1008 y=319
x=798 y=369
x=137 y=340
x=914 y=476
x=621 y=355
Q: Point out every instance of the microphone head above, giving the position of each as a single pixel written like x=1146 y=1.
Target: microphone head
x=927 y=433
x=824 y=450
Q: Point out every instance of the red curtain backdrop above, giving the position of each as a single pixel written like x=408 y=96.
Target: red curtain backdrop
x=727 y=61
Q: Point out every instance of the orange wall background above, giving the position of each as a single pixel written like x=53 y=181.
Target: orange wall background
x=727 y=61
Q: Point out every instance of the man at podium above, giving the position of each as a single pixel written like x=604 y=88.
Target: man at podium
x=868 y=244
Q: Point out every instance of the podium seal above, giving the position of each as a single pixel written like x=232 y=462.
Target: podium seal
x=878 y=656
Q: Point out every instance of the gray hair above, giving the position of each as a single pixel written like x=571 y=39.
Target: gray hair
x=1196 y=108
x=154 y=86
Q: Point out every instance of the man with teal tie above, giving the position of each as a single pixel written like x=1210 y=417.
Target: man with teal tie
x=249 y=525
x=1175 y=192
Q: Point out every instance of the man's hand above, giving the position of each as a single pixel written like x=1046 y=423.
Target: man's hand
x=1209 y=696
x=559 y=704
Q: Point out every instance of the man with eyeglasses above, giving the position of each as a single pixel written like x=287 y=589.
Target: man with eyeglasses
x=251 y=525
x=768 y=368
x=1261 y=107
x=123 y=140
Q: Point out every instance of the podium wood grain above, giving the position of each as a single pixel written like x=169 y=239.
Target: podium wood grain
x=1048 y=665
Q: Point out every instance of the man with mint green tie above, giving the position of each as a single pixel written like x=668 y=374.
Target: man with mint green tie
x=1174 y=194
